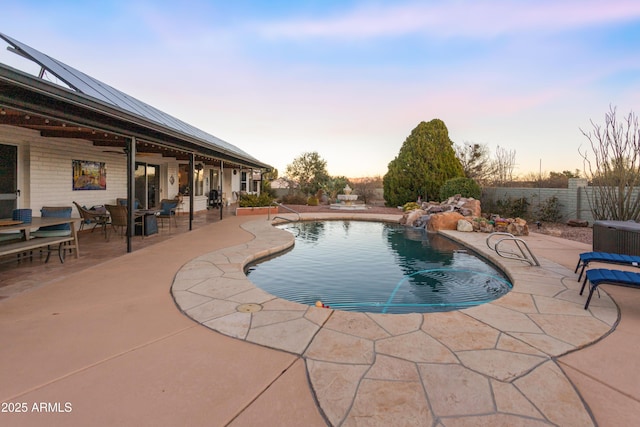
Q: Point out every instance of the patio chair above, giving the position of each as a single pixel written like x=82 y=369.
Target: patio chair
x=94 y=217
x=62 y=230
x=123 y=202
x=605 y=257
x=118 y=214
x=168 y=211
x=180 y=206
x=598 y=276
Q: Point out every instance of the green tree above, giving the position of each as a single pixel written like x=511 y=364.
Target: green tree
x=425 y=161
x=333 y=186
x=309 y=171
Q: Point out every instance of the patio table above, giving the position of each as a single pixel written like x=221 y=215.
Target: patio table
x=28 y=243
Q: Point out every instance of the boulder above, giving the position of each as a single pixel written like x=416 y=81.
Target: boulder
x=444 y=221
x=464 y=225
x=578 y=223
x=474 y=206
x=409 y=218
x=518 y=227
x=485 y=227
x=422 y=221
x=466 y=212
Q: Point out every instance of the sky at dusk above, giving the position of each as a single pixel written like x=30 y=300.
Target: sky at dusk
x=351 y=79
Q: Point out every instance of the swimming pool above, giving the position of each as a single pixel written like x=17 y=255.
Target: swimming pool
x=377 y=267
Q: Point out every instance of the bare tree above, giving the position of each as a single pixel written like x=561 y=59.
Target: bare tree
x=366 y=187
x=613 y=168
x=503 y=165
x=475 y=160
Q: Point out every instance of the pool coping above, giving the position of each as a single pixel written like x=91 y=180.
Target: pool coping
x=500 y=351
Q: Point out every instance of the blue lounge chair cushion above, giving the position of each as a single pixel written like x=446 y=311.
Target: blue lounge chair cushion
x=598 y=276
x=606 y=257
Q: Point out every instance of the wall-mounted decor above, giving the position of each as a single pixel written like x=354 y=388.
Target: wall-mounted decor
x=89 y=175
x=171 y=180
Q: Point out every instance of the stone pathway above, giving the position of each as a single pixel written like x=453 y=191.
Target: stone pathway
x=492 y=364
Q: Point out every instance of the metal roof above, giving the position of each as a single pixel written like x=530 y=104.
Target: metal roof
x=89 y=86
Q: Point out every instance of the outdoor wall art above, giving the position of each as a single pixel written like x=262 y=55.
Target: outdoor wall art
x=89 y=175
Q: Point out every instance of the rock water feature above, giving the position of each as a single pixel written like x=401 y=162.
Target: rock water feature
x=347 y=201
x=462 y=214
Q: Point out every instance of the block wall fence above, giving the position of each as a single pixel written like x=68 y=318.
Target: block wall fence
x=573 y=201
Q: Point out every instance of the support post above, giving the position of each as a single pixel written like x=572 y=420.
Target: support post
x=131 y=190
x=192 y=188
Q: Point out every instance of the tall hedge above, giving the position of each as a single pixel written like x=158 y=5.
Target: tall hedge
x=425 y=162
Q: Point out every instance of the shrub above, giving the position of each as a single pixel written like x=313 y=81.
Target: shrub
x=513 y=208
x=253 y=200
x=549 y=210
x=411 y=206
x=312 y=201
x=466 y=187
x=293 y=199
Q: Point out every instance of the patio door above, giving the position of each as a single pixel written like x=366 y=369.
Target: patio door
x=8 y=180
x=147 y=184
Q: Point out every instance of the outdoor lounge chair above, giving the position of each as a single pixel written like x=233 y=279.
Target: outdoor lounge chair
x=597 y=276
x=605 y=257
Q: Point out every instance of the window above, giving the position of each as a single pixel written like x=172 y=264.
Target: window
x=198 y=179
x=183 y=179
x=243 y=181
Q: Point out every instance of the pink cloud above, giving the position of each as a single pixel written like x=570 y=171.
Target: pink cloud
x=446 y=19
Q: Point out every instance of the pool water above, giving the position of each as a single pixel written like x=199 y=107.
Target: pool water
x=377 y=267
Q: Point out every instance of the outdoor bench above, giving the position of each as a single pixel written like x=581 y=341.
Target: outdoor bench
x=38 y=243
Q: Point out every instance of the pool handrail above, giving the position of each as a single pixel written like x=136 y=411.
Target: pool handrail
x=526 y=256
x=280 y=205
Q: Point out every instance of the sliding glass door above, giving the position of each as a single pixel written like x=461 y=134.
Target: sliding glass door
x=147 y=184
x=8 y=180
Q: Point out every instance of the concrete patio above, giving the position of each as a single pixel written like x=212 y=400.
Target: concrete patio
x=110 y=341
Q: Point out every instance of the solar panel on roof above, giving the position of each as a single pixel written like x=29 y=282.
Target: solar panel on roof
x=87 y=85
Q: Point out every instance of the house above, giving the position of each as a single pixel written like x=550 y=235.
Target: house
x=79 y=139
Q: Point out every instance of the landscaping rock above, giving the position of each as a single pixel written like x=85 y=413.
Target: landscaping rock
x=464 y=225
x=444 y=221
x=409 y=218
x=472 y=205
x=518 y=227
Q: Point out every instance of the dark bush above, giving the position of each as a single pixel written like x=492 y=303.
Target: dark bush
x=253 y=200
x=466 y=187
x=549 y=210
x=513 y=208
x=293 y=199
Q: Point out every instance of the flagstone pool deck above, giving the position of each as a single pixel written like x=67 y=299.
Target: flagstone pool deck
x=175 y=334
